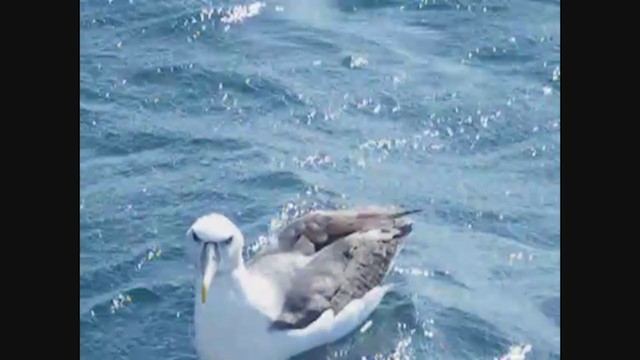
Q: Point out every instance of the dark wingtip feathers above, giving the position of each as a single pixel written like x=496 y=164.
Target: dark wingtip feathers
x=405 y=230
x=405 y=213
x=404 y=227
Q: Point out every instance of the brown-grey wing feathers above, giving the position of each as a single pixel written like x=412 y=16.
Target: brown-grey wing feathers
x=344 y=270
x=313 y=231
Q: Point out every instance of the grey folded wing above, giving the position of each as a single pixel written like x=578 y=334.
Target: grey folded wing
x=353 y=252
x=312 y=232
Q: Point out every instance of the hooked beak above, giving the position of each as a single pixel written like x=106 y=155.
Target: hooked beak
x=209 y=259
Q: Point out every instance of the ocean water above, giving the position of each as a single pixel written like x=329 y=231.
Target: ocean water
x=262 y=110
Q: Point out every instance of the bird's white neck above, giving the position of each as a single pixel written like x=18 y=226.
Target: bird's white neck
x=230 y=265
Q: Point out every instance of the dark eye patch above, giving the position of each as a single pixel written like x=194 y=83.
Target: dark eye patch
x=228 y=241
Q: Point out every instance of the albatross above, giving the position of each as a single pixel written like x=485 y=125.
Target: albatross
x=318 y=282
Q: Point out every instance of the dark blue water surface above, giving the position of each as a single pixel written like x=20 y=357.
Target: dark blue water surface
x=275 y=107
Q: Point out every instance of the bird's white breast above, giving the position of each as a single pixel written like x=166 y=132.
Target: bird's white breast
x=232 y=324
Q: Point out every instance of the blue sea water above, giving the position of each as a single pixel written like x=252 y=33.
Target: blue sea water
x=264 y=109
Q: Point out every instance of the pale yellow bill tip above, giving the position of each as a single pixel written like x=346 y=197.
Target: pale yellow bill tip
x=204 y=294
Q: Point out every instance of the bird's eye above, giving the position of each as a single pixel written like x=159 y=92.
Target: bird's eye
x=195 y=237
x=228 y=241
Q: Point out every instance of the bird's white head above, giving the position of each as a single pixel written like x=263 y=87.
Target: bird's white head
x=219 y=243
